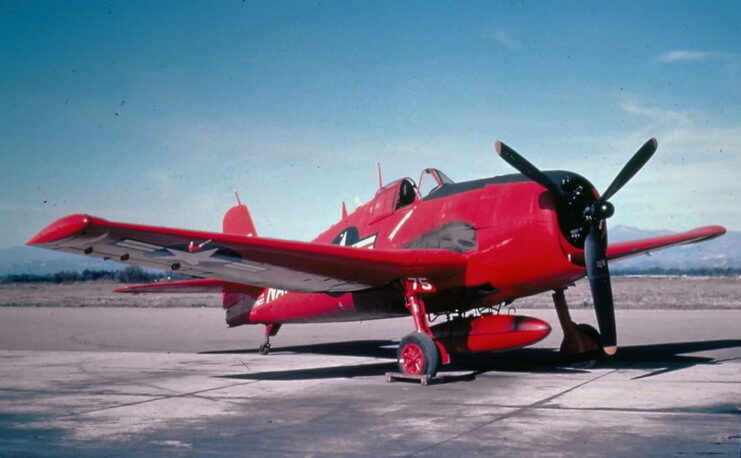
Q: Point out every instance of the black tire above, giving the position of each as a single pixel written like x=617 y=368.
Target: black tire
x=418 y=355
x=581 y=354
x=590 y=332
x=589 y=359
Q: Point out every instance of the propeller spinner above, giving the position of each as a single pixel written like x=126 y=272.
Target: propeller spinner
x=593 y=215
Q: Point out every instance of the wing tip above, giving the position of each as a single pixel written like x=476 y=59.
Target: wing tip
x=60 y=229
x=709 y=231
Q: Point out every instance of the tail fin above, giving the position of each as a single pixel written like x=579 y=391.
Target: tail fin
x=238 y=302
x=237 y=220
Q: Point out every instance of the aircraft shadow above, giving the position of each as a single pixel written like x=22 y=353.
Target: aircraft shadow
x=669 y=357
x=367 y=348
x=657 y=358
x=317 y=373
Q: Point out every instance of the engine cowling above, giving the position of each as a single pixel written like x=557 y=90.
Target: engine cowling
x=490 y=333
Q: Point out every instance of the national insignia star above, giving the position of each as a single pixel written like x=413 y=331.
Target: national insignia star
x=196 y=258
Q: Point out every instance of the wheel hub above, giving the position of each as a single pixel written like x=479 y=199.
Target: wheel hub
x=412 y=359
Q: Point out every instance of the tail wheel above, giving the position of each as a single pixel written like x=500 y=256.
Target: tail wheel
x=418 y=355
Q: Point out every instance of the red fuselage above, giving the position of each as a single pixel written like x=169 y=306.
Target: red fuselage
x=507 y=226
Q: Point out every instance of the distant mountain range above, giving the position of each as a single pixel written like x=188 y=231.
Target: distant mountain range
x=39 y=261
x=722 y=252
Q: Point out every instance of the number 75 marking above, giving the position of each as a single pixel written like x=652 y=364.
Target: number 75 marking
x=421 y=285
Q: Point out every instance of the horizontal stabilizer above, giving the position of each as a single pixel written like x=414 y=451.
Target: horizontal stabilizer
x=207 y=285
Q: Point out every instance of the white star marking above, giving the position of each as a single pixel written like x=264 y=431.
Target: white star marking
x=195 y=258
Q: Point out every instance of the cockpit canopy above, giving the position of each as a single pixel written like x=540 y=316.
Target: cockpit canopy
x=403 y=192
x=431 y=180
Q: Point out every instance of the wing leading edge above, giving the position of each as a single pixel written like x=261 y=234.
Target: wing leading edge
x=623 y=250
x=257 y=261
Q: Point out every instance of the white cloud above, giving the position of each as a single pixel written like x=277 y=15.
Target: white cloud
x=692 y=56
x=505 y=39
x=658 y=115
x=684 y=131
x=158 y=176
x=692 y=180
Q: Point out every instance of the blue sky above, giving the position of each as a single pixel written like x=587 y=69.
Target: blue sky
x=154 y=111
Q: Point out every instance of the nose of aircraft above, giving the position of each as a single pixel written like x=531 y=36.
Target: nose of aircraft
x=592 y=214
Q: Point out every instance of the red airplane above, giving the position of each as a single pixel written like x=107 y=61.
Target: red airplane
x=460 y=250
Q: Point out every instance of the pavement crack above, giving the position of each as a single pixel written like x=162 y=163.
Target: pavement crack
x=515 y=412
x=158 y=398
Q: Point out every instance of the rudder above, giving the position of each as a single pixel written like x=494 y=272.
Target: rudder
x=238 y=221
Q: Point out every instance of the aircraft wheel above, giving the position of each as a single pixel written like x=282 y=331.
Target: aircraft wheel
x=584 y=343
x=590 y=332
x=418 y=355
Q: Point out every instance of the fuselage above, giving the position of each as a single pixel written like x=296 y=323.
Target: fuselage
x=501 y=224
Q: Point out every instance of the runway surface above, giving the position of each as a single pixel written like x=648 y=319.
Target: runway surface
x=117 y=381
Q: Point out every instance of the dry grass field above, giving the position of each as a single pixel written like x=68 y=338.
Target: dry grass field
x=630 y=293
x=681 y=293
x=96 y=294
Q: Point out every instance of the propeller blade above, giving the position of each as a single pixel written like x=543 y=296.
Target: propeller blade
x=529 y=170
x=599 y=282
x=635 y=164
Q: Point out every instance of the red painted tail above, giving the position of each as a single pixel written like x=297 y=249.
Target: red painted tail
x=237 y=220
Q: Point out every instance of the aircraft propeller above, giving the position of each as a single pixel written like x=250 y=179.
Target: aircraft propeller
x=593 y=216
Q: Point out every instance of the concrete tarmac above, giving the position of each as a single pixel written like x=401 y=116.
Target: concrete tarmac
x=117 y=381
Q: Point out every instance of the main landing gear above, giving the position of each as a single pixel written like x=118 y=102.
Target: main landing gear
x=580 y=341
x=270 y=331
x=419 y=353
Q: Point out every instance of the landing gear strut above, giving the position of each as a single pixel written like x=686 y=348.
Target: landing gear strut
x=580 y=341
x=270 y=331
x=419 y=353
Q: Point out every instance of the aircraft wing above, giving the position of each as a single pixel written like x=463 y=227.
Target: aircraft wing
x=635 y=247
x=257 y=261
